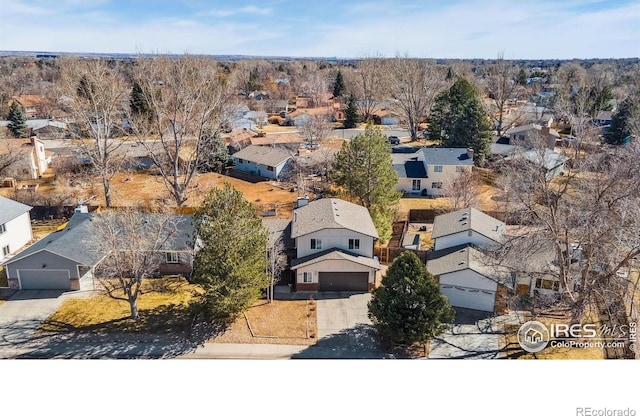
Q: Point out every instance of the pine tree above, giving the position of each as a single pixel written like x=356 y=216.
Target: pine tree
x=458 y=119
x=522 y=77
x=138 y=103
x=408 y=307
x=230 y=265
x=363 y=169
x=17 y=121
x=338 y=86
x=623 y=119
x=351 y=114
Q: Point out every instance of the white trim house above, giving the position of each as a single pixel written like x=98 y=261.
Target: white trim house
x=15 y=227
x=334 y=247
x=266 y=161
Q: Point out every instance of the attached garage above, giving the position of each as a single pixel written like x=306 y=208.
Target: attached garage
x=343 y=281
x=44 y=279
x=470 y=298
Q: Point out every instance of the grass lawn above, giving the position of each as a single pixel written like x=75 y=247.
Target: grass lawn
x=549 y=353
x=42 y=229
x=407 y=204
x=281 y=322
x=162 y=309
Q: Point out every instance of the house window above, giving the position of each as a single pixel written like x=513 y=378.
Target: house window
x=3 y=228
x=240 y=161
x=270 y=168
x=415 y=186
x=436 y=185
x=354 y=244
x=547 y=284
x=316 y=244
x=307 y=277
x=172 y=257
x=6 y=251
x=437 y=169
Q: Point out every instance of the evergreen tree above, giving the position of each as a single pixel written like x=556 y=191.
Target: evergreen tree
x=351 y=114
x=17 y=121
x=622 y=121
x=230 y=265
x=363 y=169
x=458 y=119
x=522 y=77
x=338 y=86
x=138 y=102
x=408 y=307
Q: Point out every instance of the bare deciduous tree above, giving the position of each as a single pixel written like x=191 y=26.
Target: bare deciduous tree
x=416 y=82
x=277 y=261
x=501 y=86
x=316 y=85
x=317 y=129
x=94 y=94
x=585 y=219
x=133 y=245
x=462 y=191
x=368 y=83
x=185 y=97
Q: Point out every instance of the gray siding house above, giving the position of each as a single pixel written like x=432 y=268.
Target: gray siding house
x=266 y=161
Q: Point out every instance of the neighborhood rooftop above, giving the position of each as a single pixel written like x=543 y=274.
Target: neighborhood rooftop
x=264 y=155
x=459 y=258
x=446 y=156
x=327 y=213
x=467 y=219
x=10 y=209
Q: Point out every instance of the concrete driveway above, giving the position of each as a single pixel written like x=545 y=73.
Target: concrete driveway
x=21 y=315
x=474 y=334
x=344 y=330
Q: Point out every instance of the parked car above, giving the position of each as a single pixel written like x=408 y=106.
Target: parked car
x=394 y=140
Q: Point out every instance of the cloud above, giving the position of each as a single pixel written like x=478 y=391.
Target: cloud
x=232 y=12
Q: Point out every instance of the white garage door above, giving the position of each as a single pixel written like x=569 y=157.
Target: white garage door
x=44 y=279
x=464 y=297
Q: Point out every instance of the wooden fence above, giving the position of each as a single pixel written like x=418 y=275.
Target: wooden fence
x=389 y=254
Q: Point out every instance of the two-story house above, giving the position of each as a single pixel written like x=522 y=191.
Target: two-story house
x=466 y=277
x=334 y=242
x=15 y=226
x=427 y=170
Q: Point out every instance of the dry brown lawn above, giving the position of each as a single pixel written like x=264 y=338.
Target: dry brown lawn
x=140 y=189
x=281 y=322
x=406 y=204
x=162 y=310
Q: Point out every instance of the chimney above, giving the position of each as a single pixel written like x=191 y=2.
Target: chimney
x=302 y=201
x=470 y=153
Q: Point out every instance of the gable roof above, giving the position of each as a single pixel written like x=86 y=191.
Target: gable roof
x=459 y=258
x=334 y=254
x=446 y=156
x=264 y=155
x=327 y=213
x=410 y=169
x=10 y=209
x=70 y=242
x=468 y=219
x=74 y=242
x=531 y=127
x=279 y=229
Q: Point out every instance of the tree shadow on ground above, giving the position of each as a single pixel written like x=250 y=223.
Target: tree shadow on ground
x=360 y=342
x=166 y=331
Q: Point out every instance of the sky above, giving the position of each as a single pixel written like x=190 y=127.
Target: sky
x=518 y=29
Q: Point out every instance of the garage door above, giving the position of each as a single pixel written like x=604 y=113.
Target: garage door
x=44 y=279
x=344 y=281
x=464 y=297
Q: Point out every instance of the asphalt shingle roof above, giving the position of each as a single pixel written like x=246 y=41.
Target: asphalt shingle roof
x=459 y=258
x=332 y=213
x=334 y=254
x=468 y=219
x=10 y=209
x=446 y=156
x=76 y=240
x=264 y=155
